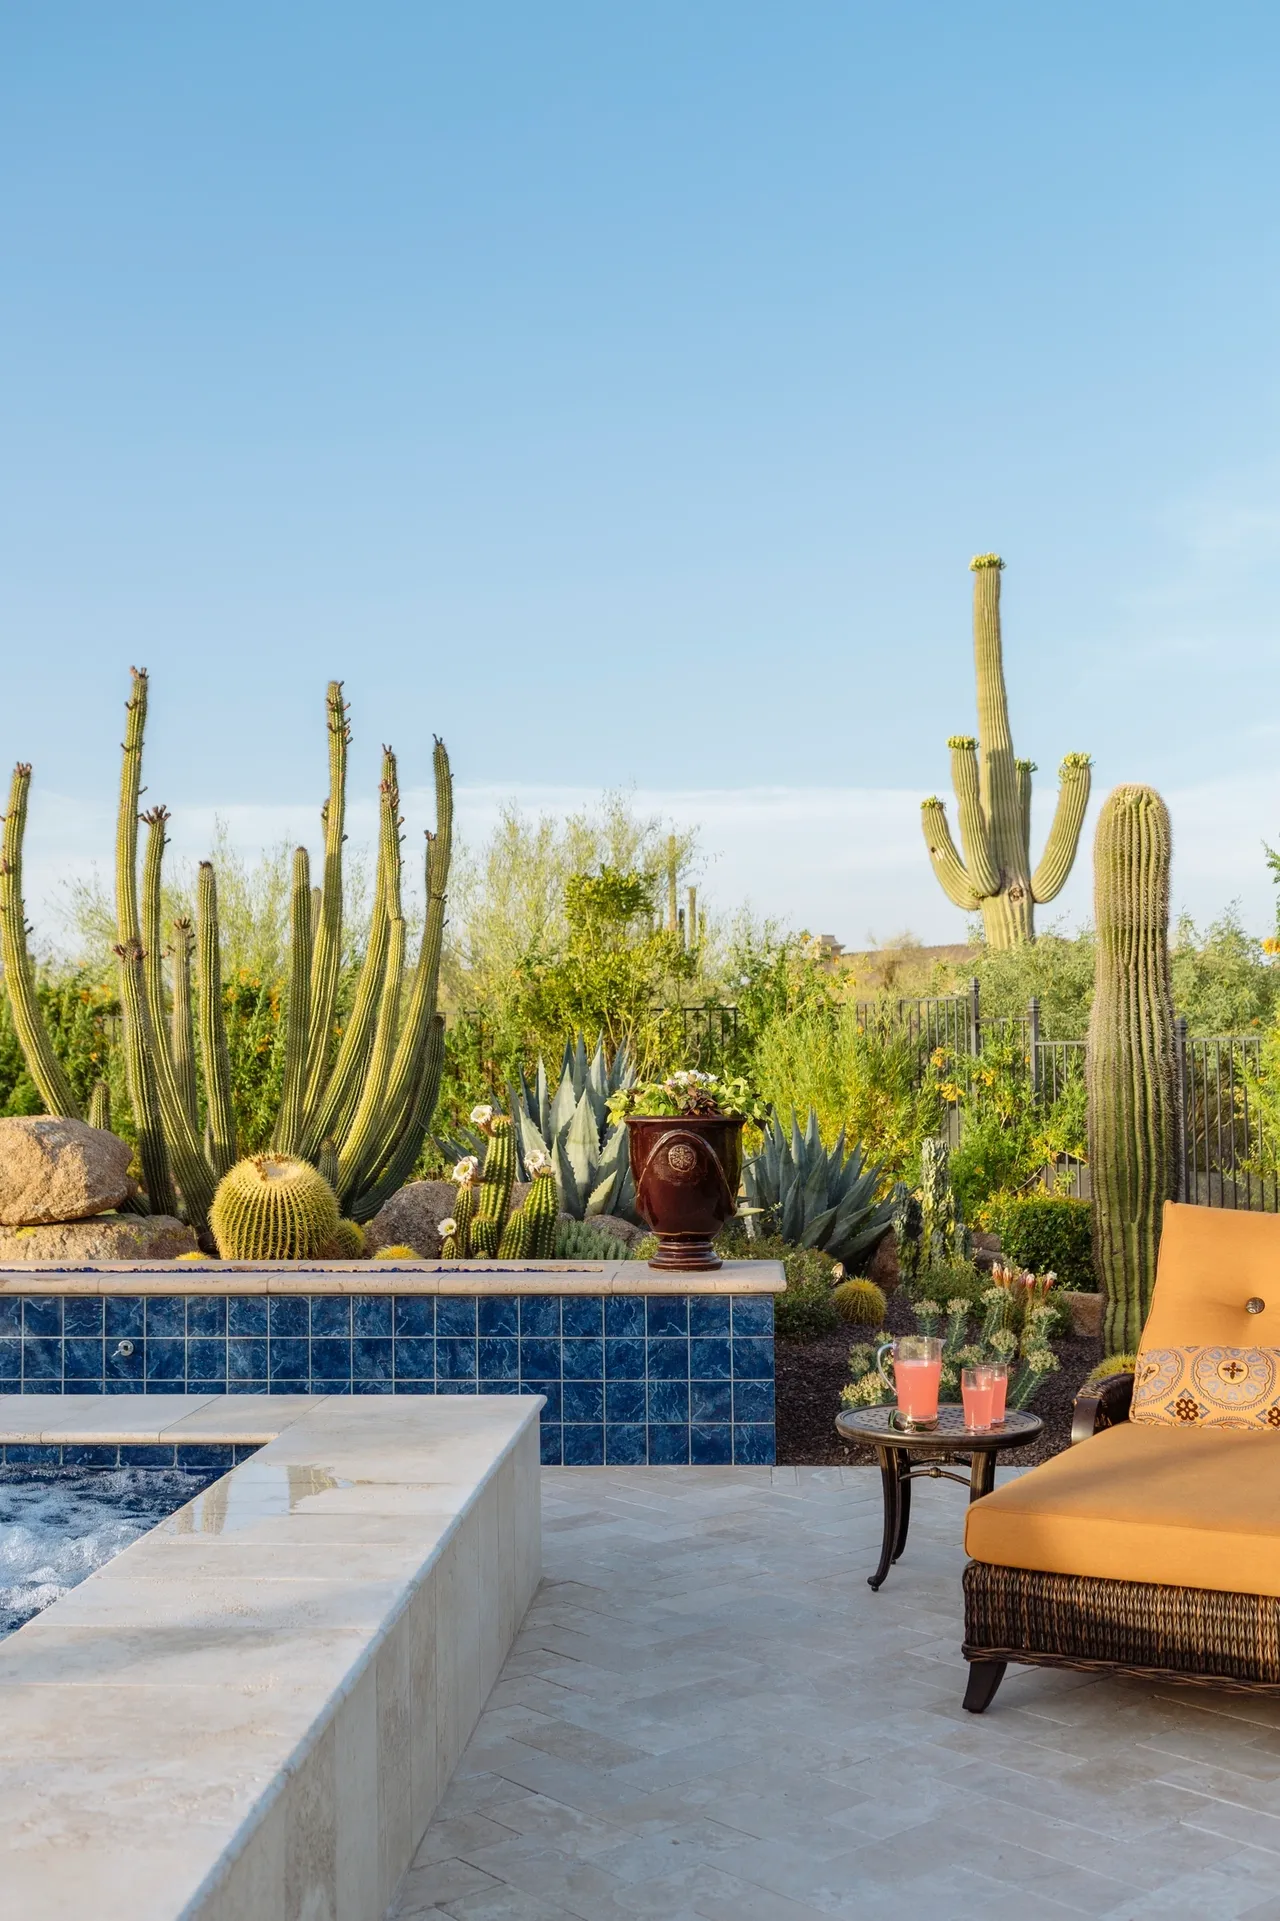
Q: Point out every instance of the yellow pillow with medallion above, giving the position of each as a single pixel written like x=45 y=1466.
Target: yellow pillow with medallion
x=1207 y=1387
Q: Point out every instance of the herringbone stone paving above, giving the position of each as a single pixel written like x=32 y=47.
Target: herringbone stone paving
x=709 y=1714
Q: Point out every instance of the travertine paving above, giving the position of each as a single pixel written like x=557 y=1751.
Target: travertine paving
x=709 y=1714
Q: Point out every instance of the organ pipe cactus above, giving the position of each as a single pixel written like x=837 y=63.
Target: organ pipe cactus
x=993 y=798
x=496 y=1181
x=356 y=1109
x=1130 y=1062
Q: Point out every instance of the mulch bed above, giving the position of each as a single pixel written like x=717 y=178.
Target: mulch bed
x=810 y=1377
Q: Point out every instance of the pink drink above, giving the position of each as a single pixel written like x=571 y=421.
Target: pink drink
x=978 y=1398
x=999 y=1388
x=917 y=1384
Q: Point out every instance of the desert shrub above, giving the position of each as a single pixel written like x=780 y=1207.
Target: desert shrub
x=804 y=1311
x=1047 y=1233
x=865 y=1081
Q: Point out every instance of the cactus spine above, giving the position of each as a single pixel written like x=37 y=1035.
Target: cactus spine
x=100 y=1107
x=993 y=798
x=1130 y=1071
x=495 y=1186
x=273 y=1208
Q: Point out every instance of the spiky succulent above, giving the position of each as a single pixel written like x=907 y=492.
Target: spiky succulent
x=816 y=1198
x=273 y=1207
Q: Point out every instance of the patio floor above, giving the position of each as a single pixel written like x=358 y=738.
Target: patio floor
x=709 y=1714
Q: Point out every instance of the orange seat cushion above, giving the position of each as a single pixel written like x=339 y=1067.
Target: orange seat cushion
x=1184 y=1506
x=1212 y=1261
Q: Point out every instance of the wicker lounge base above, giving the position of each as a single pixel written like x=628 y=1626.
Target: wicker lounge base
x=1194 y=1635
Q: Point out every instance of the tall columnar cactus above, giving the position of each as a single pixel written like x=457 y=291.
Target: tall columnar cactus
x=496 y=1181
x=993 y=798
x=1130 y=1063
x=356 y=1108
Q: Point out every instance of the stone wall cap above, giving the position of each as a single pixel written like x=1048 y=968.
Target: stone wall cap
x=390 y=1277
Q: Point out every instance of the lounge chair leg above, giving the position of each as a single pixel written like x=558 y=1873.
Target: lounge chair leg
x=984 y=1678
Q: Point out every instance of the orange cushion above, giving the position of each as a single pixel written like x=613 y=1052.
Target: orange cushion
x=1185 y=1506
x=1212 y=1260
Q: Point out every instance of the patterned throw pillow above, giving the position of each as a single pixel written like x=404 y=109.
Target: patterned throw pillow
x=1207 y=1387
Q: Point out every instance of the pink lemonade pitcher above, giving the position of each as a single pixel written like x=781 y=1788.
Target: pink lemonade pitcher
x=917 y=1375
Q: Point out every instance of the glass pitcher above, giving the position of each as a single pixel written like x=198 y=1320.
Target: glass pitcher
x=916 y=1360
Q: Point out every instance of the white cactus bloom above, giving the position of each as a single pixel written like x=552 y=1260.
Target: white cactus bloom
x=537 y=1160
x=481 y=1116
x=447 y=1228
x=466 y=1169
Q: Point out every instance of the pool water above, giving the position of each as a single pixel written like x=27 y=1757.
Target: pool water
x=57 y=1524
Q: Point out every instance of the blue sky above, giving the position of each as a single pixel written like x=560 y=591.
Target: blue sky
x=621 y=393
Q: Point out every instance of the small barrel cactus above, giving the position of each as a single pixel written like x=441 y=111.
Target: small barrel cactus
x=401 y=1251
x=860 y=1303
x=347 y=1243
x=273 y=1208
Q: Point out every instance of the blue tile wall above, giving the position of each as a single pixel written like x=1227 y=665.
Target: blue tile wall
x=196 y=1456
x=628 y=1380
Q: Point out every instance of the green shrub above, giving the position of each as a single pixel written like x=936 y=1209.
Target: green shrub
x=1047 y=1234
x=805 y=1310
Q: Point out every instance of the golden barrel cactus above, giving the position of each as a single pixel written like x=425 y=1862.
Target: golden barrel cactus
x=273 y=1208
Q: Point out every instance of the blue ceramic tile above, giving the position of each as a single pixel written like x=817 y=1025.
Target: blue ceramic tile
x=668 y=1402
x=330 y=1361
x=166 y=1317
x=582 y=1316
x=709 y=1314
x=372 y=1359
x=624 y=1317
x=499 y=1358
x=246 y=1360
x=710 y=1360
x=752 y=1360
x=42 y=1360
x=498 y=1316
x=711 y=1446
x=10 y=1355
x=455 y=1359
x=81 y=1358
x=144 y=1456
x=624 y=1401
x=82 y=1314
x=624 y=1360
x=53 y=1385
x=91 y=1384
x=456 y=1317
x=415 y=1314
x=752 y=1313
x=552 y=1446
x=82 y=1455
x=669 y=1446
x=206 y=1454
x=10 y=1314
x=371 y=1314
x=243 y=1449
x=206 y=1315
x=288 y=1315
x=457 y=1387
x=418 y=1387
x=415 y=1358
x=711 y=1402
x=583 y=1360
x=206 y=1362
x=582 y=1401
x=167 y=1362
x=246 y=1314
x=753 y=1401
x=32 y=1454
x=583 y=1446
x=288 y=1359
x=539 y=1314
x=625 y=1446
x=112 y=1385
x=666 y=1314
x=235 y=1386
x=330 y=1317
x=753 y=1446
x=539 y=1360
x=291 y=1384
x=667 y=1360
x=42 y=1314
x=550 y=1391
x=125 y=1316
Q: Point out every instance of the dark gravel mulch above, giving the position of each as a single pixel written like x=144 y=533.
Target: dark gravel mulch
x=810 y=1377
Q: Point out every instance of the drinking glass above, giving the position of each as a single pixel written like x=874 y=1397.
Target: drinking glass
x=999 y=1372
x=977 y=1393
x=917 y=1374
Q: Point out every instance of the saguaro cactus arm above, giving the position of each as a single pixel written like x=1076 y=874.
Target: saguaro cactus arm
x=288 y=1130
x=43 y=1065
x=186 y=1155
x=213 y=1031
x=183 y=1041
x=128 y=924
x=140 y=1072
x=947 y=864
x=975 y=836
x=327 y=953
x=1064 y=835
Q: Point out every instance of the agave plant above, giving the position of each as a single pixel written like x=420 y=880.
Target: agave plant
x=813 y=1198
x=571 y=1127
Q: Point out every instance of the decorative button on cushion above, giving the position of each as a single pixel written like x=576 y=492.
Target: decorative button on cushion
x=1207 y=1387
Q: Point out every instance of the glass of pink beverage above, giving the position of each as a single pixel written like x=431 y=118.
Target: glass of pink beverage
x=977 y=1394
x=999 y=1372
x=917 y=1376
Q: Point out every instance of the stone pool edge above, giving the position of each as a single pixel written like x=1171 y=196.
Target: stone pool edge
x=303 y=1678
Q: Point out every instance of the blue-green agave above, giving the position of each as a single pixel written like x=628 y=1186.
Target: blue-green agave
x=816 y=1198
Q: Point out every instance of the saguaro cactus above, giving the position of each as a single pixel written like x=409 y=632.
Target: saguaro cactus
x=993 y=798
x=1130 y=1064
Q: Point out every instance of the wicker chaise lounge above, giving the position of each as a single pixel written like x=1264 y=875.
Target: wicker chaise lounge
x=1149 y=1550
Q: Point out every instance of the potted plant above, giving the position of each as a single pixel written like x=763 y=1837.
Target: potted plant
x=685 y=1141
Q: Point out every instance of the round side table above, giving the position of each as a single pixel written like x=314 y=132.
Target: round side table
x=901 y=1449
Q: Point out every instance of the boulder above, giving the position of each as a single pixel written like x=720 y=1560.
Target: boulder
x=628 y=1232
x=883 y=1266
x=1086 y=1310
x=412 y=1217
x=53 y=1169
x=112 y=1237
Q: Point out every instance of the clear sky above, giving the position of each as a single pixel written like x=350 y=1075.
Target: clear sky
x=622 y=391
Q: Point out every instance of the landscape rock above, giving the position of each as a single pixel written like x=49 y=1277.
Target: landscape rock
x=53 y=1169
x=628 y=1232
x=883 y=1267
x=1086 y=1310
x=412 y=1217
x=987 y=1250
x=112 y=1237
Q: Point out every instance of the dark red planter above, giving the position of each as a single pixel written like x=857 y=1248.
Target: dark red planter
x=686 y=1174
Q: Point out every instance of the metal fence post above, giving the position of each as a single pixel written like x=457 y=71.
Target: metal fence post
x=975 y=1017
x=1183 y=1182
x=1033 y=1026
